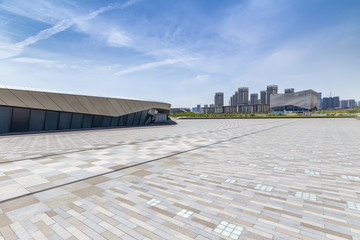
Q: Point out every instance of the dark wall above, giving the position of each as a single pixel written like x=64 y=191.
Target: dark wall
x=14 y=119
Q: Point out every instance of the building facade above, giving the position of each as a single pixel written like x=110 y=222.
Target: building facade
x=296 y=102
x=289 y=90
x=23 y=110
x=219 y=99
x=243 y=96
x=330 y=103
x=271 y=89
x=254 y=98
x=351 y=103
x=263 y=97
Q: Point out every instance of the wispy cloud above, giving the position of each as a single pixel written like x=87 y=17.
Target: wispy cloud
x=118 y=39
x=46 y=63
x=153 y=65
x=63 y=25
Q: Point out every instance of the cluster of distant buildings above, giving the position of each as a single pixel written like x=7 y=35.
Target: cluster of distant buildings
x=271 y=100
x=336 y=103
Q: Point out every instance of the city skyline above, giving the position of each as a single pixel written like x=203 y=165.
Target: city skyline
x=180 y=52
x=243 y=93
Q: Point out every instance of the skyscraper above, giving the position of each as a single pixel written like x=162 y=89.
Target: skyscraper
x=344 y=104
x=219 y=99
x=243 y=96
x=351 y=103
x=263 y=97
x=336 y=102
x=271 y=89
x=330 y=102
x=254 y=98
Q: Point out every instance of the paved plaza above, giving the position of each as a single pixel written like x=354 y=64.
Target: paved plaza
x=199 y=179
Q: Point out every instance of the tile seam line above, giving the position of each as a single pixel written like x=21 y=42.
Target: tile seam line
x=120 y=144
x=139 y=164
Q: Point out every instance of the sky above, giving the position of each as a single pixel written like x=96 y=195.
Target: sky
x=181 y=52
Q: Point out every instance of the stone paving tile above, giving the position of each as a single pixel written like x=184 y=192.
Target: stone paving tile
x=266 y=185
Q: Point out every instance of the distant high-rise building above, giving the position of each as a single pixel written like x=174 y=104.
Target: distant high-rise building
x=289 y=90
x=336 y=102
x=351 y=103
x=243 y=96
x=330 y=103
x=344 y=104
x=325 y=103
x=236 y=98
x=219 y=99
x=271 y=89
x=320 y=101
x=254 y=98
x=263 y=97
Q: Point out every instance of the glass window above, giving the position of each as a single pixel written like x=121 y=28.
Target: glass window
x=20 y=120
x=5 y=119
x=130 y=119
x=114 y=121
x=87 y=121
x=65 y=120
x=122 y=120
x=51 y=120
x=137 y=116
x=143 y=117
x=37 y=118
x=76 y=121
x=97 y=122
x=106 y=122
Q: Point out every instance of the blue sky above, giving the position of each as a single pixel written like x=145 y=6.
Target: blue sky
x=181 y=52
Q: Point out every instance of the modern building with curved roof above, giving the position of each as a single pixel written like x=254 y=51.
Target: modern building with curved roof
x=23 y=110
x=307 y=100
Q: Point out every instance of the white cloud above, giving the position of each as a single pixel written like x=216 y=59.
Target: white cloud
x=44 y=34
x=8 y=50
x=152 y=65
x=118 y=39
x=63 y=25
x=40 y=10
x=46 y=63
